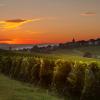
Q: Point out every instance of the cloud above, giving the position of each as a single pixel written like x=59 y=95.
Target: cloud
x=89 y=13
x=16 y=20
x=5 y=40
x=14 y=23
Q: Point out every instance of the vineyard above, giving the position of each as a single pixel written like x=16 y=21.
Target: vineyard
x=71 y=79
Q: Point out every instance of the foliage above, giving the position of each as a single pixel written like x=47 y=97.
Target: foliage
x=75 y=79
x=61 y=72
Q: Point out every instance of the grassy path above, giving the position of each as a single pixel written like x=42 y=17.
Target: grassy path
x=15 y=90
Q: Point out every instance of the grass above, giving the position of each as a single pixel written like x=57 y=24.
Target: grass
x=15 y=90
x=79 y=51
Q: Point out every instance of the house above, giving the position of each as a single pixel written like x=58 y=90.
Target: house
x=91 y=42
x=94 y=41
x=74 y=43
x=97 y=41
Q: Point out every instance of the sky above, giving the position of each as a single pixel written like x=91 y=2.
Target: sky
x=48 y=21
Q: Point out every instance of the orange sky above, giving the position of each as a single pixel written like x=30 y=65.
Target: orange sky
x=48 y=21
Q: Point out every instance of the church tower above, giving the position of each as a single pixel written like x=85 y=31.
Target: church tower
x=73 y=40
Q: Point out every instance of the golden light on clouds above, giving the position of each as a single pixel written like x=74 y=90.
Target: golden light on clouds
x=15 y=23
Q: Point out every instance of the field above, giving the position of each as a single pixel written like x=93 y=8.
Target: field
x=15 y=90
x=69 y=75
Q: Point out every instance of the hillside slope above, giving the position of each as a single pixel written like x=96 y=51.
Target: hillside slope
x=14 y=90
x=79 y=51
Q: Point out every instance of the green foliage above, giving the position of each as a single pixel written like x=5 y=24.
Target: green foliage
x=69 y=78
x=46 y=72
x=75 y=81
x=34 y=70
x=61 y=72
x=91 y=90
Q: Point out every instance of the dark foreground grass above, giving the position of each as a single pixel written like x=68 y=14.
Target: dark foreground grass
x=15 y=90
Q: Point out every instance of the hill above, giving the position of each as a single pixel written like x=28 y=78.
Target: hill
x=79 y=51
x=14 y=90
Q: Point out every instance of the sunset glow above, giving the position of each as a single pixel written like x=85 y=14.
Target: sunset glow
x=48 y=21
x=13 y=24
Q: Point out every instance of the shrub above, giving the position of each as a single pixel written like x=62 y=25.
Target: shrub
x=6 y=65
x=91 y=89
x=34 y=70
x=61 y=72
x=16 y=66
x=75 y=81
x=46 y=72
